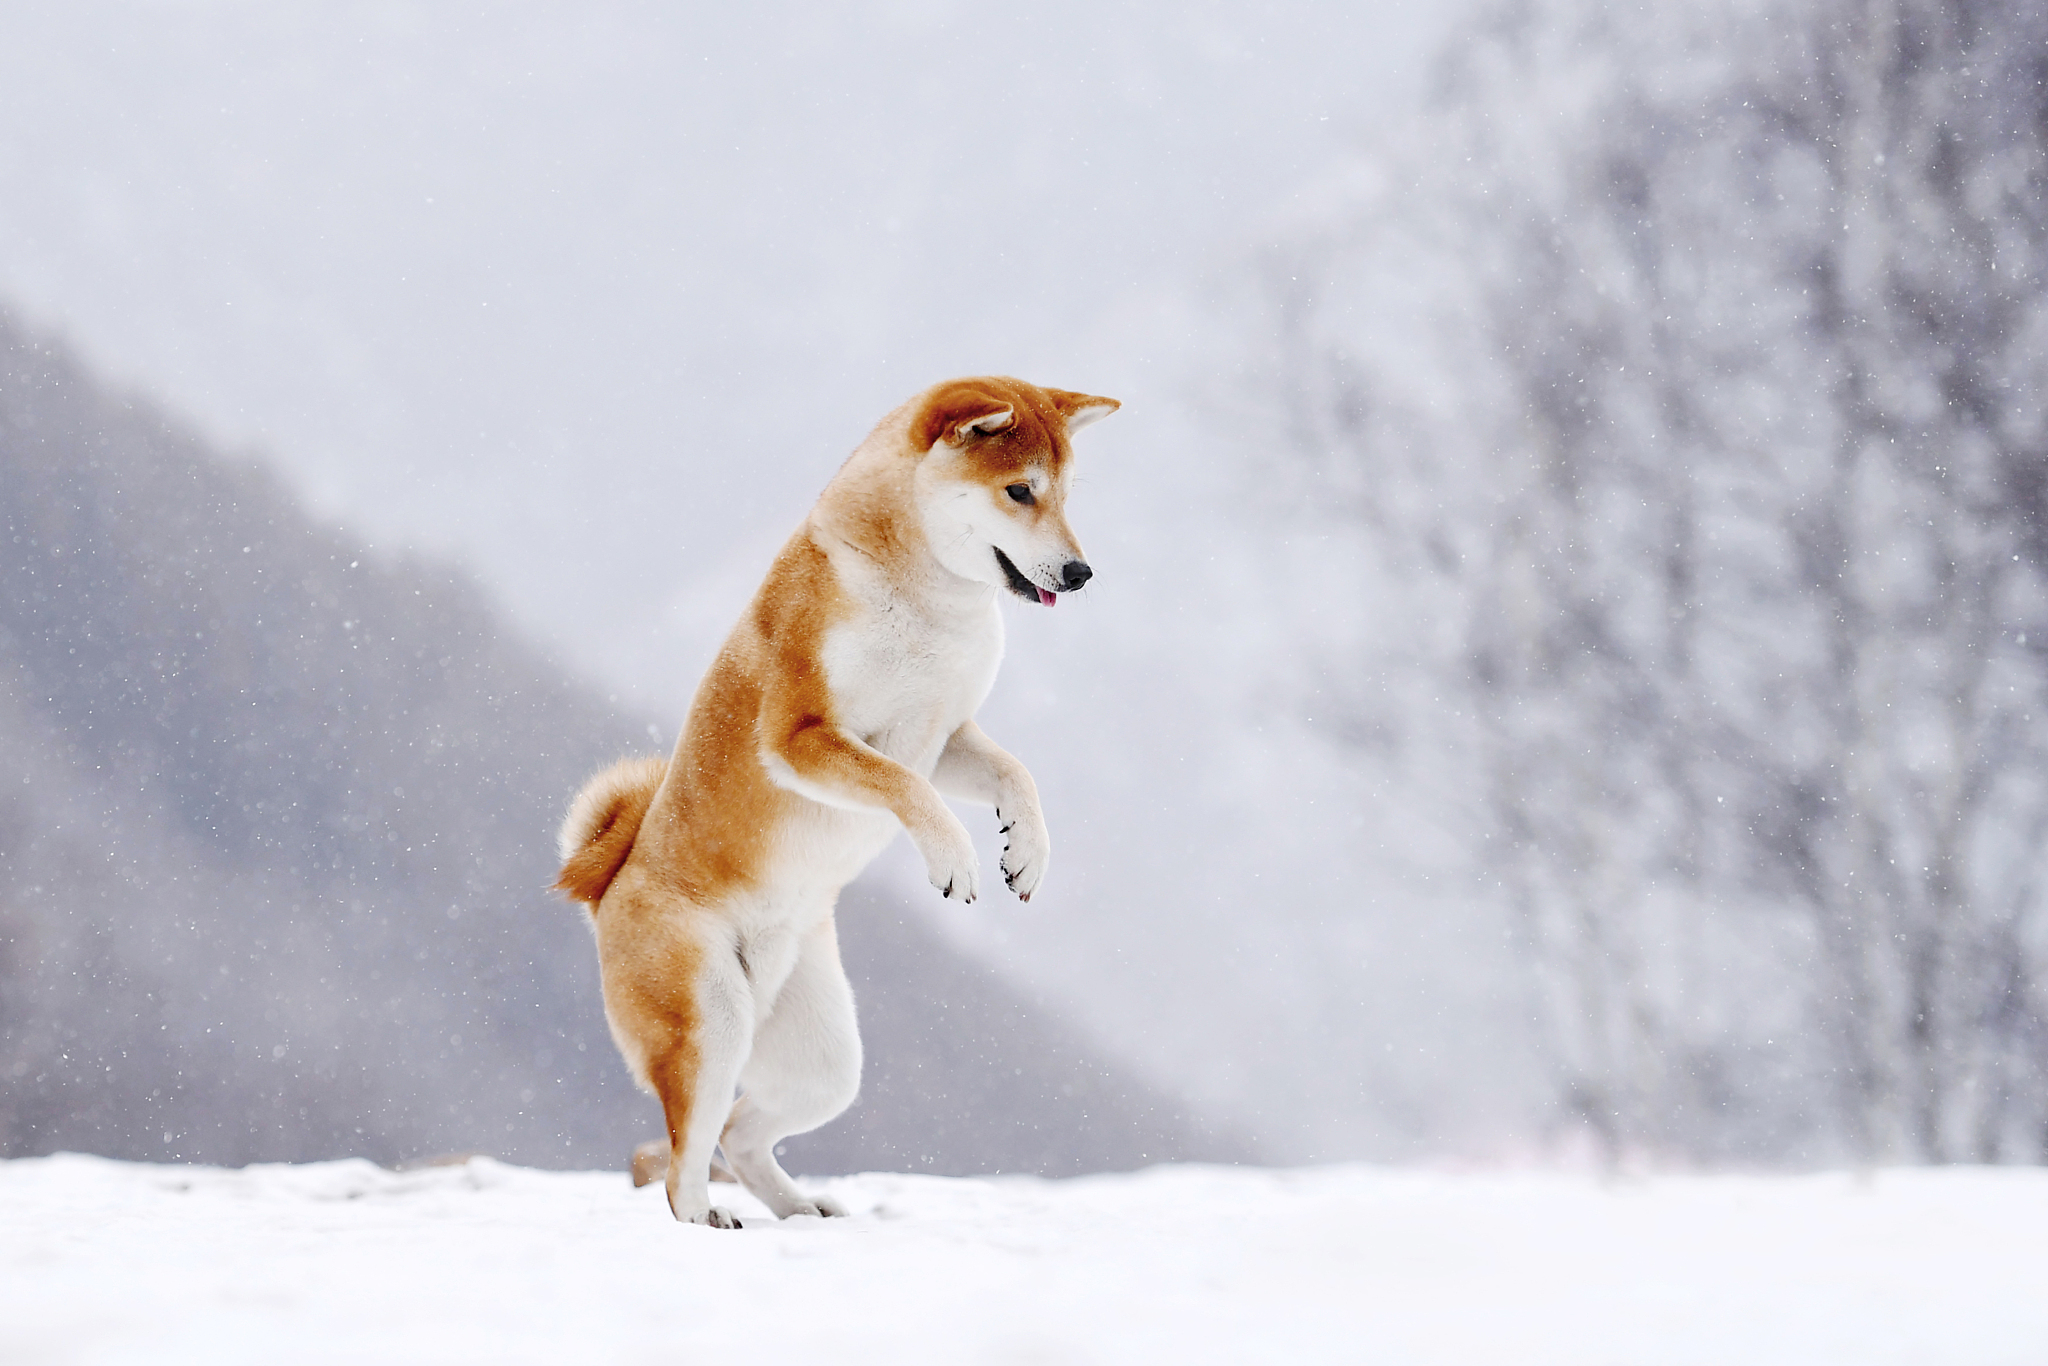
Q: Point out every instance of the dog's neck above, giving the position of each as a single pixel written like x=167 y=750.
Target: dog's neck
x=871 y=510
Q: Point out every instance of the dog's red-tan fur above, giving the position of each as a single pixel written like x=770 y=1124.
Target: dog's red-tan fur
x=711 y=876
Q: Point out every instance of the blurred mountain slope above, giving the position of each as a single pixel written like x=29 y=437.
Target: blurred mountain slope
x=274 y=837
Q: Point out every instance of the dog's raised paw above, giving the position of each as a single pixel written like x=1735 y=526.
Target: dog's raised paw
x=962 y=883
x=1025 y=856
x=949 y=860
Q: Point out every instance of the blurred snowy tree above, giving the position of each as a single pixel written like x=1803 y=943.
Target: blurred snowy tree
x=1688 y=378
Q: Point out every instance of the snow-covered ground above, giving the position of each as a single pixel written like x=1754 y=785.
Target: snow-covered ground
x=346 y=1262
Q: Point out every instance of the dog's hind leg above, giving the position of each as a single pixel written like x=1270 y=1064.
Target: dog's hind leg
x=804 y=1070
x=693 y=1072
x=650 y=1164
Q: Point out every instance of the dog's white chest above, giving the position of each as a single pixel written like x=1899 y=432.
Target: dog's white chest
x=903 y=681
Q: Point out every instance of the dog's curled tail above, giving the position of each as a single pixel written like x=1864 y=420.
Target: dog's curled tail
x=601 y=826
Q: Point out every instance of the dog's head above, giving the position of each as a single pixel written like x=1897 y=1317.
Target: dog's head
x=994 y=463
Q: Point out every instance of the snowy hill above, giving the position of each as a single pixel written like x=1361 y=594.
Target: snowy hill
x=346 y=1262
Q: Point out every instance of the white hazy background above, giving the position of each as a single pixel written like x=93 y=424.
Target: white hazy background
x=1558 y=665
x=596 y=300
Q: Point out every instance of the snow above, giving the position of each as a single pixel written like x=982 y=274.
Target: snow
x=343 y=1261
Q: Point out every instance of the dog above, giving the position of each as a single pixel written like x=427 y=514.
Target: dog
x=840 y=708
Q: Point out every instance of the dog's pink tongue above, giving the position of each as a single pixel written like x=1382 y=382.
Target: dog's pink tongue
x=1049 y=599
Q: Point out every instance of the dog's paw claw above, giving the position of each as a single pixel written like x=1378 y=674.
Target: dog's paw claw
x=1025 y=856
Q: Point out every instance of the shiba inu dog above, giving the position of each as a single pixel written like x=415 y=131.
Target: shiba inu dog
x=840 y=708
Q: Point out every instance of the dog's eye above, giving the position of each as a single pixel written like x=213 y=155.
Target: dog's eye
x=1020 y=493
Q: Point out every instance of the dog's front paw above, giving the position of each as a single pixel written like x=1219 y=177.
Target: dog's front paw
x=950 y=861
x=1026 y=851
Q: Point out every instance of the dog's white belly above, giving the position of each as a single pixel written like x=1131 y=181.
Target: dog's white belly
x=901 y=684
x=822 y=848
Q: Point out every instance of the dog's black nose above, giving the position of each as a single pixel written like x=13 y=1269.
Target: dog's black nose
x=1074 y=575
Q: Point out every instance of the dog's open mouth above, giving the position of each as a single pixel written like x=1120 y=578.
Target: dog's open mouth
x=1021 y=586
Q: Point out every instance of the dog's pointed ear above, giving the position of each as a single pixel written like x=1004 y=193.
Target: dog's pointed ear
x=1081 y=409
x=957 y=412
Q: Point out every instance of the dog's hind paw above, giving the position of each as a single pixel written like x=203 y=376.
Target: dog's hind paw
x=823 y=1206
x=715 y=1217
